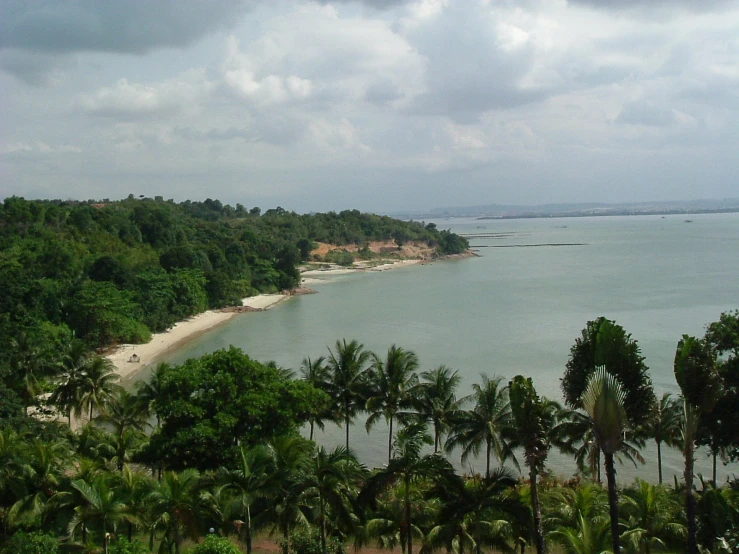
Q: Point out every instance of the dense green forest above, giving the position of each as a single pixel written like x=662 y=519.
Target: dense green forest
x=114 y=272
x=213 y=448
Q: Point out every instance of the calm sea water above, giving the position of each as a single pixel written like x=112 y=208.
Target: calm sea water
x=516 y=309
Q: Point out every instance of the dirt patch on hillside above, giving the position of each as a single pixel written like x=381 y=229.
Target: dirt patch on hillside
x=410 y=250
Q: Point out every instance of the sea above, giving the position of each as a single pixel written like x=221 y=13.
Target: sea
x=515 y=309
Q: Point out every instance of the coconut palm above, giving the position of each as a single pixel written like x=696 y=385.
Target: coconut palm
x=588 y=536
x=175 y=506
x=664 y=426
x=436 y=401
x=533 y=418
x=28 y=362
x=147 y=392
x=101 y=505
x=67 y=396
x=247 y=483
x=317 y=373
x=391 y=384
x=651 y=513
x=347 y=385
x=133 y=486
x=330 y=482
x=603 y=400
x=407 y=467
x=476 y=512
x=98 y=385
x=484 y=427
x=290 y=458
x=700 y=383
x=124 y=415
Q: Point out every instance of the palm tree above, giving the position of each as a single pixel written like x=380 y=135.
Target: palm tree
x=476 y=512
x=29 y=362
x=603 y=400
x=391 y=388
x=148 y=392
x=664 y=426
x=66 y=397
x=409 y=466
x=347 y=385
x=98 y=385
x=317 y=373
x=175 y=507
x=331 y=481
x=124 y=414
x=484 y=427
x=588 y=536
x=700 y=383
x=133 y=486
x=651 y=513
x=101 y=504
x=533 y=418
x=248 y=482
x=436 y=400
x=290 y=459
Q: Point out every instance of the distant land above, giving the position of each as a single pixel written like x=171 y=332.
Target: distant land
x=589 y=209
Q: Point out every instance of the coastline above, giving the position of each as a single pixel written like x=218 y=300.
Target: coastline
x=180 y=334
x=189 y=329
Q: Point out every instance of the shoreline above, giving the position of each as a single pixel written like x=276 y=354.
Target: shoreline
x=193 y=327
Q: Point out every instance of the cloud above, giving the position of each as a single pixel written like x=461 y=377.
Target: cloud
x=38 y=147
x=645 y=113
x=135 y=26
x=131 y=100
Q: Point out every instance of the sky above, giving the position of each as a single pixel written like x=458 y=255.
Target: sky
x=379 y=105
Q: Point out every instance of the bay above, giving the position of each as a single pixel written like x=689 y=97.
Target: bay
x=516 y=309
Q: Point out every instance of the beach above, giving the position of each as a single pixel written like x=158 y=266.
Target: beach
x=130 y=358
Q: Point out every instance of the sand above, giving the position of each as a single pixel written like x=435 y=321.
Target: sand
x=181 y=333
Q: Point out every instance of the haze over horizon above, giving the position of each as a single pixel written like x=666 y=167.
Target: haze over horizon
x=380 y=105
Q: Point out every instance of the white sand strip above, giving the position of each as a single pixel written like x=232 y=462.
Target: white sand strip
x=182 y=332
x=263 y=301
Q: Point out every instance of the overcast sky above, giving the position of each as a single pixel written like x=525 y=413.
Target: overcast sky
x=383 y=105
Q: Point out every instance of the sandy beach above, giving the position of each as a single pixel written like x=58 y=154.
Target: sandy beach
x=178 y=335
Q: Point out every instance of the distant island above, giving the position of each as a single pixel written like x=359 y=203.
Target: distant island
x=591 y=209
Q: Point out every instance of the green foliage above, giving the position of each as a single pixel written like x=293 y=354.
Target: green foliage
x=605 y=343
x=339 y=257
x=208 y=405
x=30 y=543
x=116 y=271
x=123 y=546
x=215 y=545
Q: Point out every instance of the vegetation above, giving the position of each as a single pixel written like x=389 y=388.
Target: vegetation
x=207 y=456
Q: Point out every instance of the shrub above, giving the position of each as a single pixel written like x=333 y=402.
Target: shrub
x=123 y=546
x=30 y=543
x=215 y=545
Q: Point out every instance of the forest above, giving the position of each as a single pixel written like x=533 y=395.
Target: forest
x=216 y=455
x=114 y=272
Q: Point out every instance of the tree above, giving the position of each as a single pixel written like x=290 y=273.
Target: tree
x=98 y=384
x=605 y=343
x=248 y=482
x=476 y=512
x=436 y=401
x=67 y=395
x=651 y=517
x=700 y=383
x=347 y=386
x=720 y=427
x=211 y=405
x=331 y=481
x=147 y=392
x=408 y=466
x=316 y=373
x=664 y=426
x=123 y=413
x=532 y=417
x=604 y=400
x=101 y=505
x=390 y=389
x=483 y=428
x=174 y=504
